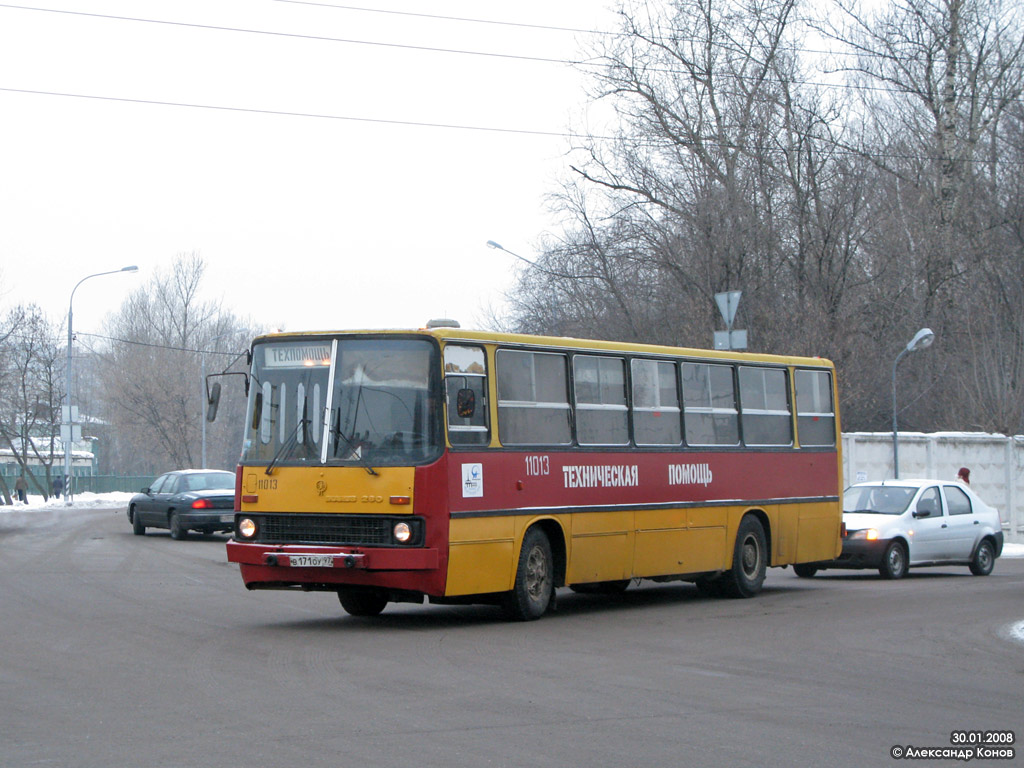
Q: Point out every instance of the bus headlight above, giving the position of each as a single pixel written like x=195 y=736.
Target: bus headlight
x=402 y=533
x=246 y=528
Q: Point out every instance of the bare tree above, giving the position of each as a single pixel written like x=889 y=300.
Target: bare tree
x=151 y=371
x=31 y=392
x=848 y=217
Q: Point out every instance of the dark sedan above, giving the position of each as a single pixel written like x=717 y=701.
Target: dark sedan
x=185 y=500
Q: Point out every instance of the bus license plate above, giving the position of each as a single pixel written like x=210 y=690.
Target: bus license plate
x=311 y=561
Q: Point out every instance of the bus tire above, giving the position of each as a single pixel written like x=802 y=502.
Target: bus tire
x=749 y=560
x=359 y=602
x=534 y=588
x=805 y=570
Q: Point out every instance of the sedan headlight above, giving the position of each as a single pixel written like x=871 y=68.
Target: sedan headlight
x=247 y=528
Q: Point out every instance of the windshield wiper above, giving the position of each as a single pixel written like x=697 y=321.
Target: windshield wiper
x=289 y=445
x=357 y=452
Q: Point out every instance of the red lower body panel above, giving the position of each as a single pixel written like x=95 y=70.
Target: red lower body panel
x=270 y=566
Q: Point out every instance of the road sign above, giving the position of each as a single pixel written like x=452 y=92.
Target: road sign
x=730 y=339
x=71 y=433
x=727 y=304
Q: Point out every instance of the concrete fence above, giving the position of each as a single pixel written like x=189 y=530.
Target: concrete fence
x=996 y=463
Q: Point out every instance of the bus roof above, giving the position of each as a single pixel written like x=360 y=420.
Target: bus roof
x=449 y=333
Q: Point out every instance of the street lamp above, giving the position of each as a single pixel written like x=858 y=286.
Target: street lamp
x=922 y=340
x=500 y=247
x=538 y=267
x=70 y=419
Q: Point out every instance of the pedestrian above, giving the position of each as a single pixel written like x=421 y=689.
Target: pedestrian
x=964 y=475
x=21 y=488
x=58 y=486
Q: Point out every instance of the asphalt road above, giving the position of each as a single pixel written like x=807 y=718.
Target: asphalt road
x=117 y=650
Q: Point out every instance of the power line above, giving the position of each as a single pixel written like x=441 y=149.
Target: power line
x=453 y=126
x=315 y=115
x=521 y=25
x=295 y=35
x=155 y=346
x=60 y=341
x=456 y=51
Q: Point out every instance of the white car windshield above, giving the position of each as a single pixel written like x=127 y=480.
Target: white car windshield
x=879 y=499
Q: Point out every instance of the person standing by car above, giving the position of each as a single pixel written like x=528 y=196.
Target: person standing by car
x=21 y=488
x=964 y=475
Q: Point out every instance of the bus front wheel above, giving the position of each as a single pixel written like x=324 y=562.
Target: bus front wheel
x=749 y=559
x=359 y=602
x=534 y=587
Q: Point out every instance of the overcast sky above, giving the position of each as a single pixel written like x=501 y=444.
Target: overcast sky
x=305 y=222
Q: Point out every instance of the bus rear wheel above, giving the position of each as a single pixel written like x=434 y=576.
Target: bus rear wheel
x=749 y=560
x=531 y=596
x=361 y=602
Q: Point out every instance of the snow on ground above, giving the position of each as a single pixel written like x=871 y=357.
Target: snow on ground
x=81 y=501
x=87 y=500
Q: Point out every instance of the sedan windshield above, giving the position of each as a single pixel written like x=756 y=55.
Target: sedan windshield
x=880 y=499
x=360 y=401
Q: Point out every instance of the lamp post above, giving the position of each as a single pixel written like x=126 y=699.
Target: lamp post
x=539 y=268
x=202 y=390
x=70 y=419
x=922 y=340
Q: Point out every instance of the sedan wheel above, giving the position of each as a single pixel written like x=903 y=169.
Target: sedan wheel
x=984 y=559
x=894 y=562
x=177 y=531
x=137 y=527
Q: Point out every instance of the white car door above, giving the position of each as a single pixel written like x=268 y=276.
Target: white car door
x=964 y=524
x=930 y=526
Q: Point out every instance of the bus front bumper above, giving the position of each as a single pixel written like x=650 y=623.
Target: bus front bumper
x=308 y=558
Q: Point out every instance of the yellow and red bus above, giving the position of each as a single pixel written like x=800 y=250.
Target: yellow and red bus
x=461 y=466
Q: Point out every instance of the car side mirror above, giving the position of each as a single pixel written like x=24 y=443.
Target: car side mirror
x=145 y=490
x=922 y=513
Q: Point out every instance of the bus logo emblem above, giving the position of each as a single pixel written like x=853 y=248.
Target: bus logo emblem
x=472 y=480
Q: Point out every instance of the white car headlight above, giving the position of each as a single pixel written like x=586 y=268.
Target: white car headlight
x=870 y=534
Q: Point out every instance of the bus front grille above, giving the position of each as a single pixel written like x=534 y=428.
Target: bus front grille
x=351 y=530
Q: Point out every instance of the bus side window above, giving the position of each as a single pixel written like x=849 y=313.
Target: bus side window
x=600 y=384
x=709 y=405
x=655 y=403
x=533 y=398
x=815 y=414
x=465 y=381
x=764 y=406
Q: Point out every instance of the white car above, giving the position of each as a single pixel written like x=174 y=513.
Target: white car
x=893 y=525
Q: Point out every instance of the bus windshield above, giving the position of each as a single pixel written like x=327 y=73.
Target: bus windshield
x=353 y=401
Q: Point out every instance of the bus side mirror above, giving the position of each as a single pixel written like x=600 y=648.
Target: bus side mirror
x=465 y=403
x=213 y=401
